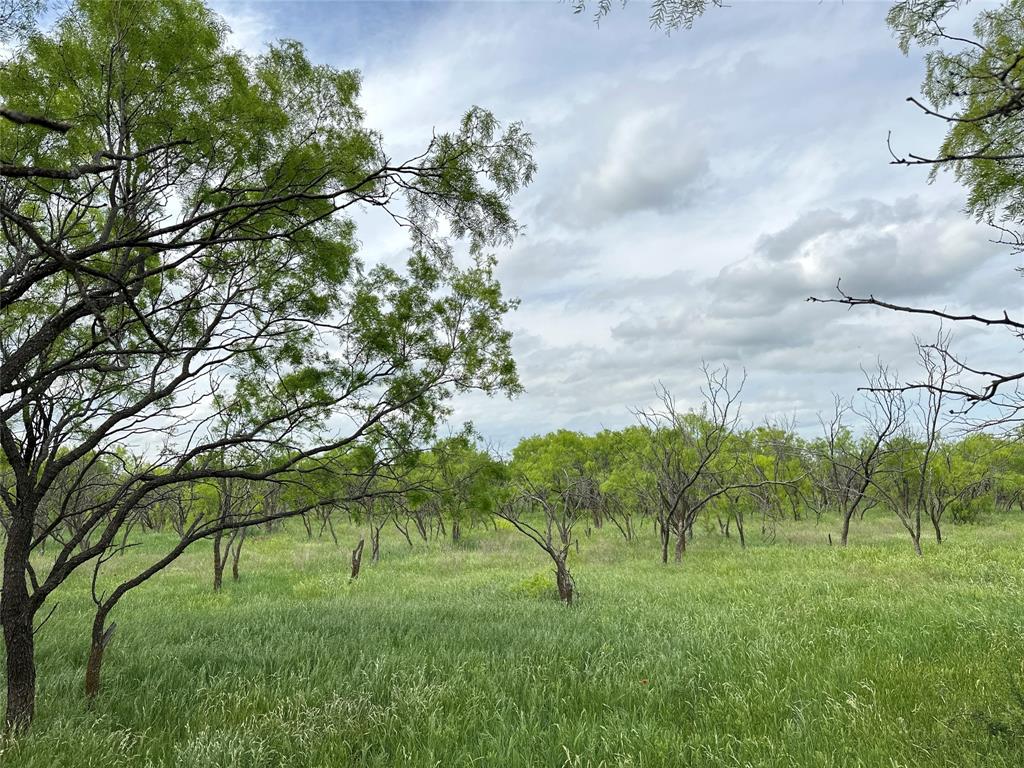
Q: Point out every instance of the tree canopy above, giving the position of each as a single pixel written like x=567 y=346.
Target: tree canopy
x=180 y=274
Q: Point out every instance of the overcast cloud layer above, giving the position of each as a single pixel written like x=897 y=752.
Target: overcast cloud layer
x=693 y=191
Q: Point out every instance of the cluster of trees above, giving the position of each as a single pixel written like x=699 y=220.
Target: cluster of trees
x=675 y=473
x=888 y=451
x=678 y=471
x=189 y=341
x=183 y=312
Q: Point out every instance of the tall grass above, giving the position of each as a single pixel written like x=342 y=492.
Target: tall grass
x=789 y=654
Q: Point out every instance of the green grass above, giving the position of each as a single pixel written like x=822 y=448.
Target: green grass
x=789 y=654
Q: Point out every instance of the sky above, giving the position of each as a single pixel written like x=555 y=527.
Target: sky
x=693 y=190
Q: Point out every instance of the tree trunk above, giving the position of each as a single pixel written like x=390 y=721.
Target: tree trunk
x=237 y=553
x=456 y=531
x=680 y=540
x=21 y=674
x=375 y=545
x=845 y=534
x=357 y=559
x=219 y=562
x=938 y=530
x=404 y=532
x=16 y=615
x=100 y=640
x=664 y=533
x=566 y=585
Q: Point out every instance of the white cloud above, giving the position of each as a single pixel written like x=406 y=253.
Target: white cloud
x=652 y=161
x=250 y=27
x=692 y=191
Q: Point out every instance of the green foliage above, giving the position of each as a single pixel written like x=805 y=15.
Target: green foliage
x=240 y=169
x=979 y=86
x=667 y=15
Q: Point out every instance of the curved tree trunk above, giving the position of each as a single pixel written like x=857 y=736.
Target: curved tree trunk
x=375 y=544
x=357 y=559
x=100 y=639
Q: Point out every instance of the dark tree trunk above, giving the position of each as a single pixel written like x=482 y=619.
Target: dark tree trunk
x=938 y=530
x=21 y=675
x=219 y=561
x=375 y=545
x=16 y=615
x=845 y=534
x=566 y=586
x=357 y=559
x=456 y=531
x=915 y=533
x=100 y=639
x=664 y=532
x=239 y=538
x=404 y=532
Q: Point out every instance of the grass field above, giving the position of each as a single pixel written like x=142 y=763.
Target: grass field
x=788 y=654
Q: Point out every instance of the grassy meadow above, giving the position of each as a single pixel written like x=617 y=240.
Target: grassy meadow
x=792 y=653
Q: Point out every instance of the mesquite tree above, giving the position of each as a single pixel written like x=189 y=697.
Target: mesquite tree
x=236 y=499
x=462 y=480
x=686 y=457
x=179 y=280
x=547 y=515
x=903 y=480
x=953 y=483
x=847 y=463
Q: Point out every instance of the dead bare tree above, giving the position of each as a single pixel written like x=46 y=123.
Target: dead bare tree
x=847 y=462
x=689 y=459
x=904 y=477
